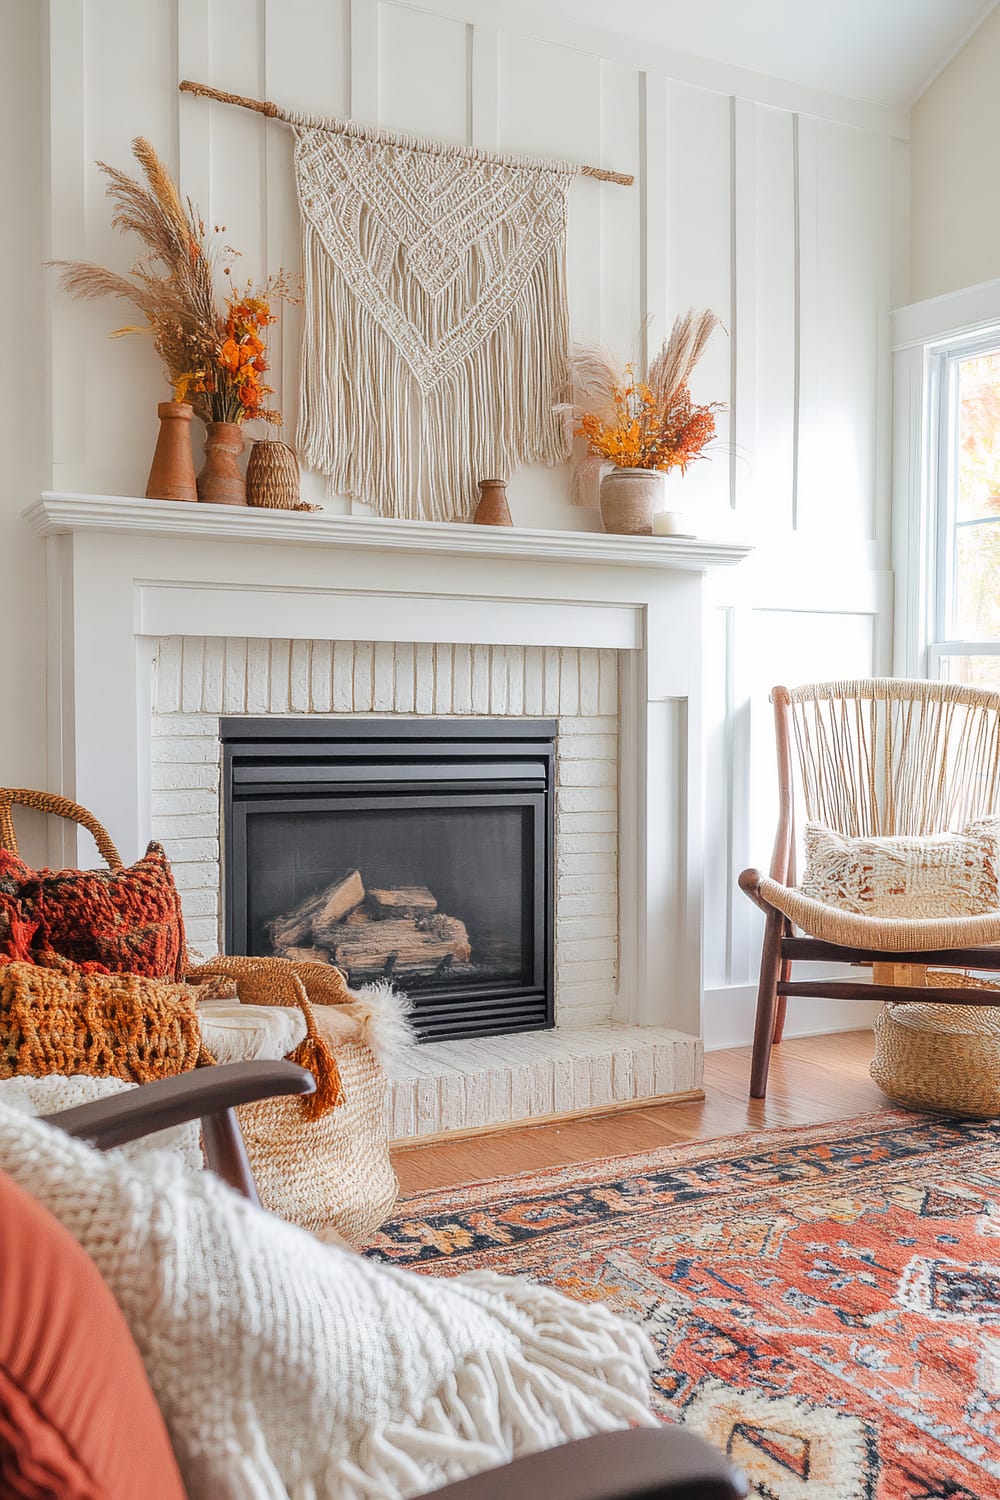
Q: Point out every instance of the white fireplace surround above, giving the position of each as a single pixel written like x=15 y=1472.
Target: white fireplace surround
x=139 y=590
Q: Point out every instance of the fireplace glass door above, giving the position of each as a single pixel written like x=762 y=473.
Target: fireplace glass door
x=399 y=853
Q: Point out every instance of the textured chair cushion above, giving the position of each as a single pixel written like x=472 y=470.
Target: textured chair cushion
x=77 y=1417
x=934 y=876
x=105 y=921
x=289 y=1368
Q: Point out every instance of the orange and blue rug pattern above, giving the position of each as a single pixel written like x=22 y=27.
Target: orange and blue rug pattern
x=825 y=1301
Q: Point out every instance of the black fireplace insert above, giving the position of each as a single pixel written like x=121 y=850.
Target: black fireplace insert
x=415 y=850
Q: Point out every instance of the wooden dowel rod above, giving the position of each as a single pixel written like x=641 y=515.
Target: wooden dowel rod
x=265 y=107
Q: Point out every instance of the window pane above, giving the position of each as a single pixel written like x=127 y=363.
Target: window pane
x=974 y=671
x=978 y=438
x=976 y=612
x=975 y=605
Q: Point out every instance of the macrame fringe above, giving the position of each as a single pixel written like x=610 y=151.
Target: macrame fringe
x=576 y=1370
x=411 y=454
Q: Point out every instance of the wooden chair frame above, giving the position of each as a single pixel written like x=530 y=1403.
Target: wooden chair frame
x=897 y=975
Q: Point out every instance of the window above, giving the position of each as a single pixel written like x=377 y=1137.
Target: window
x=965 y=629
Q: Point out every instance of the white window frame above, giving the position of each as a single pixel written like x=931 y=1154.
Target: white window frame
x=929 y=340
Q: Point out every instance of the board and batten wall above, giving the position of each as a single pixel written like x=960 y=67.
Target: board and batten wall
x=783 y=209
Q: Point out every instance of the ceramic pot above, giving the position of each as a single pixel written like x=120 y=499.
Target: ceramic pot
x=221 y=480
x=171 y=474
x=493 y=509
x=628 y=499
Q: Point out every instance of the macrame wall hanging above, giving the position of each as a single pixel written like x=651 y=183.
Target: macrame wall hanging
x=436 y=325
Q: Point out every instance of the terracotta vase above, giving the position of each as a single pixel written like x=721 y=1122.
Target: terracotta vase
x=628 y=499
x=492 y=509
x=171 y=474
x=221 y=480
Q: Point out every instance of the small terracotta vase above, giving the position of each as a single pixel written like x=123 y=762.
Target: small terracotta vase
x=628 y=499
x=171 y=474
x=492 y=509
x=221 y=480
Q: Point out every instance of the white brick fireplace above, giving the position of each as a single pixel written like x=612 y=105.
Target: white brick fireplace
x=164 y=618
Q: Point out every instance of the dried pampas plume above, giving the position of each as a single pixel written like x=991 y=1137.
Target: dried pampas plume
x=681 y=352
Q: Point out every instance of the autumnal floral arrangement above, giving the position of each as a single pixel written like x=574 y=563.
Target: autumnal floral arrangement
x=642 y=424
x=214 y=355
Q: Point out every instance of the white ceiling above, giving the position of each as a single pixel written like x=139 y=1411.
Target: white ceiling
x=886 y=51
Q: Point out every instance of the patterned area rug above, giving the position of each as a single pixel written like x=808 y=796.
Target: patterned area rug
x=826 y=1301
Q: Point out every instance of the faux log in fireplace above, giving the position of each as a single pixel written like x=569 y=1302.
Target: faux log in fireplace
x=419 y=851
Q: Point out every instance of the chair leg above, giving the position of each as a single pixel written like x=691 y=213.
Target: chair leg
x=784 y=974
x=767 y=1005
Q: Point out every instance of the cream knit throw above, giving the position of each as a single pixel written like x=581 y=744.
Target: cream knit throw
x=290 y=1370
x=436 y=325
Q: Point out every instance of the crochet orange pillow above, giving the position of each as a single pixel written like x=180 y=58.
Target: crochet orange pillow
x=125 y=921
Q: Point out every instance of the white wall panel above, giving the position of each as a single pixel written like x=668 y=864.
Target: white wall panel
x=423 y=73
x=698 y=191
x=842 y=192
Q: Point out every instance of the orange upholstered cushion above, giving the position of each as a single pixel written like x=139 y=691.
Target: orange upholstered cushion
x=77 y=1417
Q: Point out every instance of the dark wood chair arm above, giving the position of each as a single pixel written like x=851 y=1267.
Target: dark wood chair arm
x=749 y=883
x=647 y=1463
x=174 y=1101
x=207 y=1094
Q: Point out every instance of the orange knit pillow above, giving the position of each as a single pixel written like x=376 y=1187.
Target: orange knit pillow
x=124 y=921
x=77 y=1416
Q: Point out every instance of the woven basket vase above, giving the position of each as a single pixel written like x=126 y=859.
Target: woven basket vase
x=940 y=1057
x=273 y=476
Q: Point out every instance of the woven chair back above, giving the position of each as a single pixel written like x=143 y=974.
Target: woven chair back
x=890 y=756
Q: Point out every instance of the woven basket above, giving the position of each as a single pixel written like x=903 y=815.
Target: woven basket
x=326 y=1171
x=273 y=477
x=331 y=1173
x=941 y=1057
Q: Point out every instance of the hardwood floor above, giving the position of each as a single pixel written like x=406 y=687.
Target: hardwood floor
x=812 y=1079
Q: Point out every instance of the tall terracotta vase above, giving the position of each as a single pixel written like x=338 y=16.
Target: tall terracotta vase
x=493 y=509
x=221 y=480
x=171 y=474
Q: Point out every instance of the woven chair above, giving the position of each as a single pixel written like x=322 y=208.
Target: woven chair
x=874 y=757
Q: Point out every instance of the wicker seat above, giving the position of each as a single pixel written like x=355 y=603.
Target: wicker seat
x=874 y=757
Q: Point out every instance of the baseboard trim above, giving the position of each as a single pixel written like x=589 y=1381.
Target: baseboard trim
x=593 y=1111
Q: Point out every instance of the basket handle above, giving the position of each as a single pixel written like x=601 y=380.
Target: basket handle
x=60 y=807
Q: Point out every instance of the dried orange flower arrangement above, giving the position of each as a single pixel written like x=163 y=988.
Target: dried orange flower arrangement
x=214 y=356
x=641 y=424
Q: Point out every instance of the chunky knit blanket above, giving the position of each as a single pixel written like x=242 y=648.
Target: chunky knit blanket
x=290 y=1370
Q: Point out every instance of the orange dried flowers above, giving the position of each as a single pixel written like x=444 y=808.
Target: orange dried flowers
x=642 y=424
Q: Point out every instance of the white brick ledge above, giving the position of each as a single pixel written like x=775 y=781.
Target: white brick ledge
x=483 y=1082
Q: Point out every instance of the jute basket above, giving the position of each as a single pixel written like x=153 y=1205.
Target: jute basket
x=273 y=477
x=941 y=1057
x=331 y=1173
x=329 y=1169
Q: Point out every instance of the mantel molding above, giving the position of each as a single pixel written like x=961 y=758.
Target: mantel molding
x=56 y=514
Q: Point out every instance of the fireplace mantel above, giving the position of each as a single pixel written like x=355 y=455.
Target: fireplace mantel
x=60 y=514
x=126 y=575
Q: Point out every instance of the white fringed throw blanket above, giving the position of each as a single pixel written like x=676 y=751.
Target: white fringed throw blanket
x=287 y=1369
x=436 y=327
